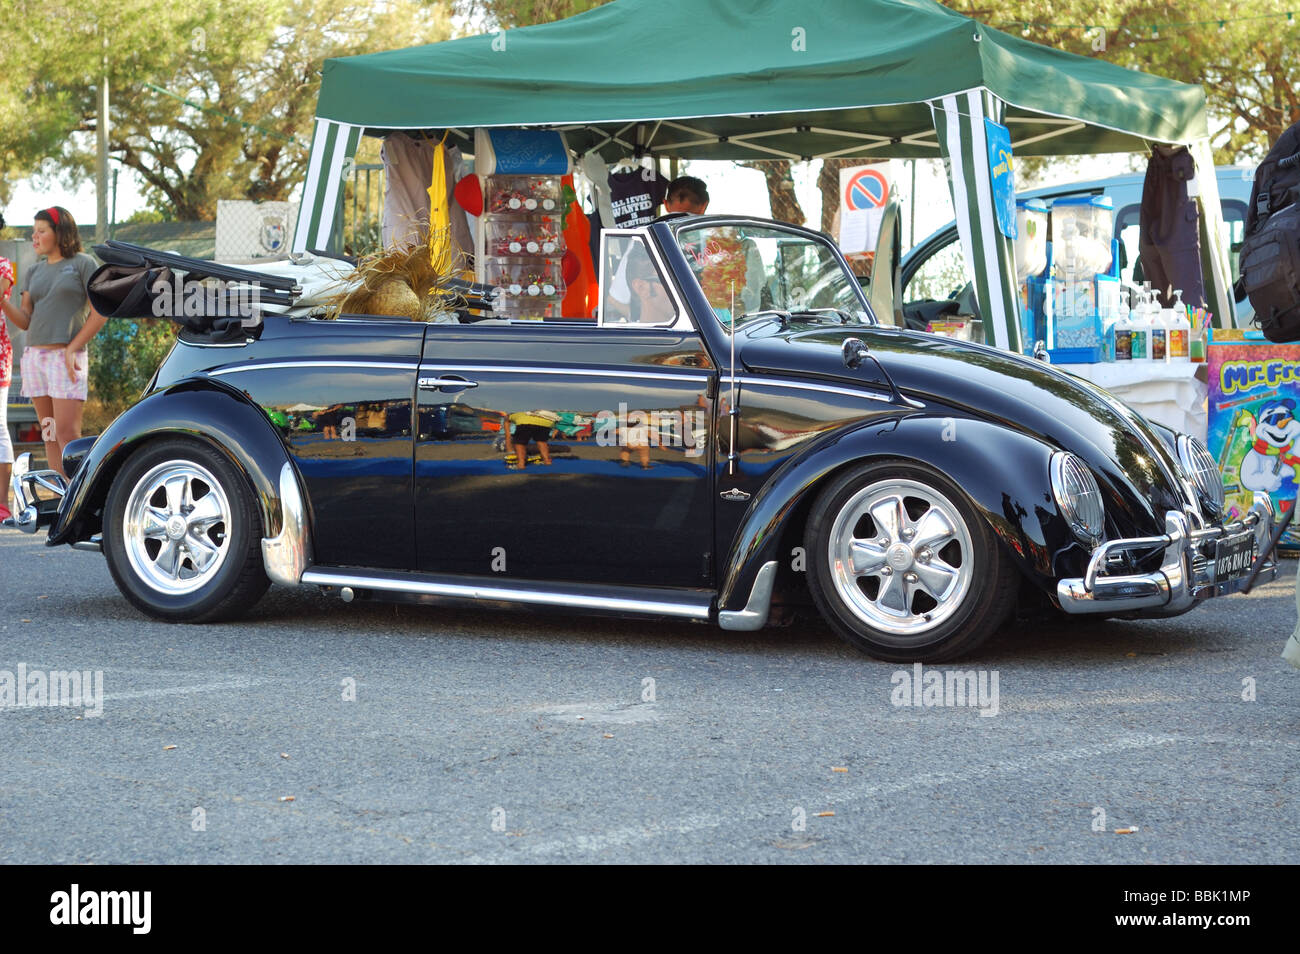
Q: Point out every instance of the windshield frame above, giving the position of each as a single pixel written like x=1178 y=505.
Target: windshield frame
x=684 y=223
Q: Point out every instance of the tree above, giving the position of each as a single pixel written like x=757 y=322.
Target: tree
x=510 y=14
x=1247 y=65
x=64 y=49
x=781 y=197
x=1243 y=53
x=210 y=100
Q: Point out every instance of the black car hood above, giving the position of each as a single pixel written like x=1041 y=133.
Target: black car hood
x=1062 y=410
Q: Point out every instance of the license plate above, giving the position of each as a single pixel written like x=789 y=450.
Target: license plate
x=1233 y=557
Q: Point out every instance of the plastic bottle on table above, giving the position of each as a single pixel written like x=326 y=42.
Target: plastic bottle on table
x=1160 y=332
x=1108 y=328
x=1141 y=328
x=1120 y=336
x=1180 y=330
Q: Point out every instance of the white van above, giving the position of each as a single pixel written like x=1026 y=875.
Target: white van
x=933 y=269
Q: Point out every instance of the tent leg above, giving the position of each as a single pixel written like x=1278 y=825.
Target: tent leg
x=1216 y=262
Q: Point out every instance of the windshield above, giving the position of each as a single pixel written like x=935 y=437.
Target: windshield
x=748 y=270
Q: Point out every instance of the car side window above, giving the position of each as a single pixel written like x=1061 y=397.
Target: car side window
x=1127 y=229
x=632 y=290
x=942 y=275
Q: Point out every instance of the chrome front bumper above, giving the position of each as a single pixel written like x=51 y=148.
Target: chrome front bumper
x=37 y=495
x=1186 y=573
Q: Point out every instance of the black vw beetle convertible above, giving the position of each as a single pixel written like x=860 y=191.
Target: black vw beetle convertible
x=732 y=434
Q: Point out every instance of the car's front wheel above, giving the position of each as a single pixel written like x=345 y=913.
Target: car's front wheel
x=182 y=534
x=903 y=567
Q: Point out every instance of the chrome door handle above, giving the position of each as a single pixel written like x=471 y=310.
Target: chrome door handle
x=444 y=382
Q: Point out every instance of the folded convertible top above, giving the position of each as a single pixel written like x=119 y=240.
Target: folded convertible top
x=207 y=298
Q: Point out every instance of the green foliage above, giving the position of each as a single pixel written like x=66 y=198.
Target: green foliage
x=125 y=355
x=210 y=100
x=1242 y=51
x=146 y=215
x=363 y=238
x=518 y=13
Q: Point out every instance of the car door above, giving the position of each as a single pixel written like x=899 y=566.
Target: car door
x=571 y=451
x=339 y=393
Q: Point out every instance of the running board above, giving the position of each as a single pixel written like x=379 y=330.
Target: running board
x=588 y=597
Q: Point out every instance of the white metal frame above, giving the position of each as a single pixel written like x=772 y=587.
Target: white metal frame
x=680 y=322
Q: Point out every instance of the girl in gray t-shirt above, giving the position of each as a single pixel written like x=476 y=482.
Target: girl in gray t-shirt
x=56 y=313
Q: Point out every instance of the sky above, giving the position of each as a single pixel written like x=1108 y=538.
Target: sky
x=28 y=198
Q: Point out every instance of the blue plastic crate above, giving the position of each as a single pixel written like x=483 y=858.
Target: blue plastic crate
x=1076 y=355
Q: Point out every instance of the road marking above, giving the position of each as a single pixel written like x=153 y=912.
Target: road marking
x=619 y=713
x=702 y=821
x=1105 y=697
x=240 y=683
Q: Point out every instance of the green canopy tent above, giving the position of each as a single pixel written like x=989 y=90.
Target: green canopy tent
x=750 y=79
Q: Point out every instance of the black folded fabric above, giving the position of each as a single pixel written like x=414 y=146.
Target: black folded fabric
x=919 y=314
x=150 y=291
x=127 y=291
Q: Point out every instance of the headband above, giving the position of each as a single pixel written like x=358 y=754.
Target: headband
x=53 y=213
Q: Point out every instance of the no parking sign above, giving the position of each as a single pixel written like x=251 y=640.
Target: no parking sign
x=864 y=192
x=866 y=189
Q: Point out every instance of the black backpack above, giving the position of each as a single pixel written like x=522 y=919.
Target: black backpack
x=1270 y=254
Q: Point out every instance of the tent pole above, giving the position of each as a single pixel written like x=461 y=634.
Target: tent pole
x=989 y=256
x=911 y=210
x=1216 y=262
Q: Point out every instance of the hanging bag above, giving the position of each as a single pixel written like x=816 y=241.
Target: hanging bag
x=1270 y=253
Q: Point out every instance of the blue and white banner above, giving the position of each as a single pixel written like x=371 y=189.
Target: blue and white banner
x=1004 y=180
x=534 y=152
x=989 y=256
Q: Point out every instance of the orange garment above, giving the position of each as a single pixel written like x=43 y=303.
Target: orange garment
x=582 y=293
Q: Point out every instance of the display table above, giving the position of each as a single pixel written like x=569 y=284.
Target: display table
x=1172 y=394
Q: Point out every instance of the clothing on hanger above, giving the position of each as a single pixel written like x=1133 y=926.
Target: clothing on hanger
x=635 y=196
x=408 y=169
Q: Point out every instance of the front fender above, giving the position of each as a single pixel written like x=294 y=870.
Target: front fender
x=1005 y=473
x=201 y=408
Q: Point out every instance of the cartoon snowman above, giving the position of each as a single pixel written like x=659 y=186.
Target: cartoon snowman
x=1271 y=461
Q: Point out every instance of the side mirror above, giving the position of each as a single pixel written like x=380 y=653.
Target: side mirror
x=853 y=351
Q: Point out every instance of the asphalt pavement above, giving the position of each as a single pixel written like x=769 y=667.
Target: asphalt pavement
x=315 y=731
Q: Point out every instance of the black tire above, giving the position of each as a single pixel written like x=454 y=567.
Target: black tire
x=899 y=602
x=178 y=506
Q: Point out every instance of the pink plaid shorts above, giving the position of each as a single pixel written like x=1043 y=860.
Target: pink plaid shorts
x=45 y=374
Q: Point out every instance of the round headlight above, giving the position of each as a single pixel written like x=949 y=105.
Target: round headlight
x=1078 y=497
x=1204 y=471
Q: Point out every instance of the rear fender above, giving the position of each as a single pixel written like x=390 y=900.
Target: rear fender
x=199 y=408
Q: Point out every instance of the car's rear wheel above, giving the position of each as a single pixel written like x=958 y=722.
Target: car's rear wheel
x=903 y=567
x=182 y=534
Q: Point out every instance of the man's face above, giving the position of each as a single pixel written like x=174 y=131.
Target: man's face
x=685 y=204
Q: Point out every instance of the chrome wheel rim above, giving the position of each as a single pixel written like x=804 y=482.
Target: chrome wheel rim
x=901 y=557
x=177 y=527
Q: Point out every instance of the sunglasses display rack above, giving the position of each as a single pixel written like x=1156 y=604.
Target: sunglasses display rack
x=520 y=245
